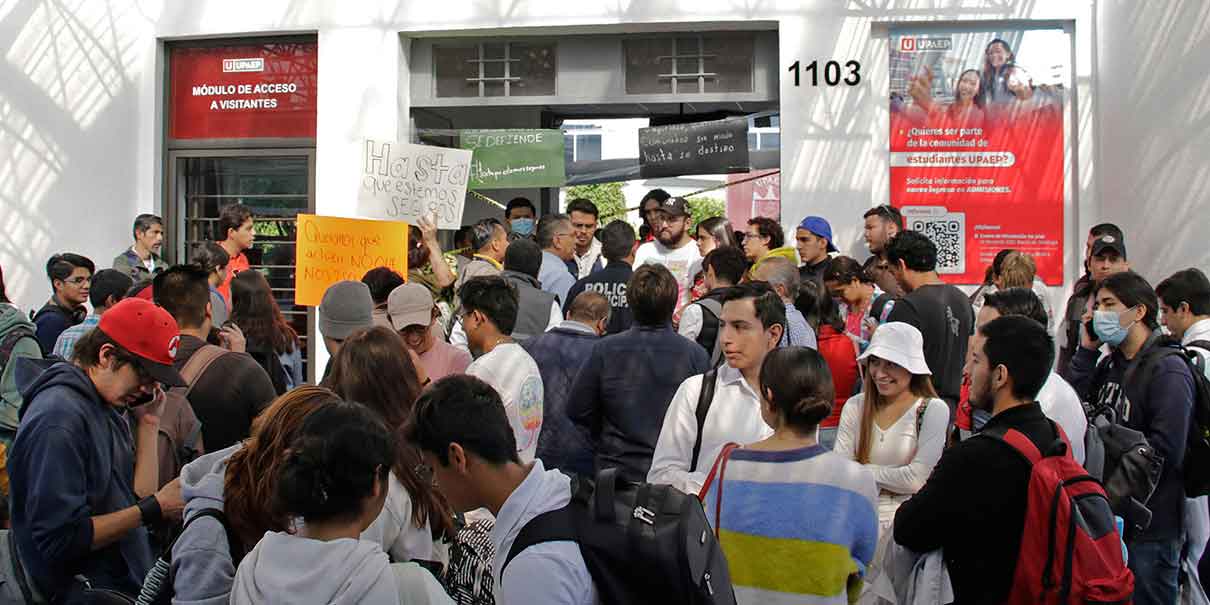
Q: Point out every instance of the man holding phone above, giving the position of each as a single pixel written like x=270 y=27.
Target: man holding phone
x=83 y=490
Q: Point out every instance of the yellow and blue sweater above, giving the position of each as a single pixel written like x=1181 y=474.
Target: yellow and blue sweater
x=797 y=526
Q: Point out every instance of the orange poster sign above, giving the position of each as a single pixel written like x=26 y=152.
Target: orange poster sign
x=330 y=249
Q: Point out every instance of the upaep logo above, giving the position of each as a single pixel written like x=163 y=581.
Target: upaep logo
x=914 y=44
x=242 y=65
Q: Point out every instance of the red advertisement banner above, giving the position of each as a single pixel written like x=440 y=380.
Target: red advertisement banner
x=246 y=91
x=977 y=158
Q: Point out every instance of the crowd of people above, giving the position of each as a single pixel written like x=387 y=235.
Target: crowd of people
x=829 y=415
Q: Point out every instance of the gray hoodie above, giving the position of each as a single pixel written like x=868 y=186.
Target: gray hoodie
x=285 y=568
x=201 y=557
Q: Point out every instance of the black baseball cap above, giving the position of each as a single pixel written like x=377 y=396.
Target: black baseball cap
x=676 y=206
x=1109 y=242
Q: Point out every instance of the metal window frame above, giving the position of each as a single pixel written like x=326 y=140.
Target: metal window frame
x=175 y=212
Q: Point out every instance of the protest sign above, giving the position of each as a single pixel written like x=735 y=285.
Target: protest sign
x=330 y=249
x=403 y=182
x=716 y=147
x=513 y=159
x=976 y=144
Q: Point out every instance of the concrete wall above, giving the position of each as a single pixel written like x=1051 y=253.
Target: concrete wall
x=81 y=89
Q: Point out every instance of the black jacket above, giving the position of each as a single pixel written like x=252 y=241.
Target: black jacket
x=1159 y=405
x=609 y=282
x=973 y=507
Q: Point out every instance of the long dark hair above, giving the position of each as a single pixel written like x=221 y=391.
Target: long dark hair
x=987 y=80
x=720 y=229
x=373 y=368
x=257 y=314
x=249 y=481
x=977 y=100
x=3 y=291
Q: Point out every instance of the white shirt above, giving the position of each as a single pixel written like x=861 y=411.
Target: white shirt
x=691 y=322
x=734 y=416
x=683 y=262
x=513 y=373
x=900 y=459
x=584 y=263
x=550 y=573
x=395 y=531
x=1061 y=404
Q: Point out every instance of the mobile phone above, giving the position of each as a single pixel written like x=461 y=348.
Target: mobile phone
x=1092 y=335
x=143 y=399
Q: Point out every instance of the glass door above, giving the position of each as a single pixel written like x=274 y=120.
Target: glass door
x=276 y=184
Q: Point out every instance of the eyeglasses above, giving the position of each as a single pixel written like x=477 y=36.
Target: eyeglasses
x=663 y=218
x=77 y=281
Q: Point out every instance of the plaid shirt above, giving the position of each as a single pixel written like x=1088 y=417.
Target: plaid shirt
x=66 y=344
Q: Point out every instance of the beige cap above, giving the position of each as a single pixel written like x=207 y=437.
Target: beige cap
x=410 y=305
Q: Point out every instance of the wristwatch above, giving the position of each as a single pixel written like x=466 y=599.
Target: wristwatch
x=149 y=509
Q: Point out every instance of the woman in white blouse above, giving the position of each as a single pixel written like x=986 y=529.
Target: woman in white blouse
x=896 y=425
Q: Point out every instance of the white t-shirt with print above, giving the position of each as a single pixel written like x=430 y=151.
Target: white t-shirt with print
x=683 y=262
x=514 y=375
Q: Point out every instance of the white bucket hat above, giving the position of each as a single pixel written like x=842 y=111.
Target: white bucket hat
x=901 y=344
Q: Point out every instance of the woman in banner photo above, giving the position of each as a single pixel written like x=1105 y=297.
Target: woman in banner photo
x=998 y=60
x=965 y=112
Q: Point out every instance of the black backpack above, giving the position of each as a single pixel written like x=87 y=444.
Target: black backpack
x=1196 y=465
x=642 y=543
x=710 y=337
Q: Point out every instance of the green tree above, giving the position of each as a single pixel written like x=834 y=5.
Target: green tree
x=607 y=196
x=704 y=207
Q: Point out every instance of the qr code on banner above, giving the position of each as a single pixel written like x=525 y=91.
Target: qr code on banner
x=948 y=232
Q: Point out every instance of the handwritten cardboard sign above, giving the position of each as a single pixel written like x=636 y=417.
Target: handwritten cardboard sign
x=513 y=159
x=403 y=182
x=716 y=147
x=330 y=249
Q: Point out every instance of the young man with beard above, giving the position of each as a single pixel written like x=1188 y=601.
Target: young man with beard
x=982 y=482
x=881 y=224
x=673 y=247
x=584 y=216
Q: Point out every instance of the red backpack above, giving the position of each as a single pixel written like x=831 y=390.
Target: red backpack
x=1071 y=551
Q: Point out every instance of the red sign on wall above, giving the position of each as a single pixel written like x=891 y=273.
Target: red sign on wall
x=248 y=91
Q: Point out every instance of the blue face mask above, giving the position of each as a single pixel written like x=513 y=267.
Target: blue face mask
x=1109 y=328
x=522 y=226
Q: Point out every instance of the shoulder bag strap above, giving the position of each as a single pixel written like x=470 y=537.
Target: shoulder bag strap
x=704 y=398
x=551 y=526
x=198 y=363
x=725 y=455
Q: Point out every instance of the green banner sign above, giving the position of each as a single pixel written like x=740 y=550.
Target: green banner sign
x=513 y=159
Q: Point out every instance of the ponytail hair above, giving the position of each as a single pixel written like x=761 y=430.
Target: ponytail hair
x=798 y=385
x=342 y=452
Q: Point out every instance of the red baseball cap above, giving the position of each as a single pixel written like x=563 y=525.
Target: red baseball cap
x=148 y=331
